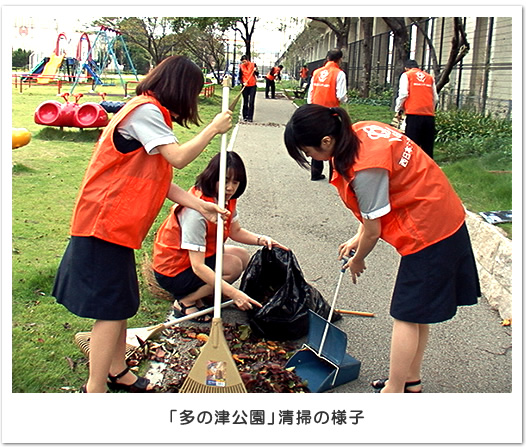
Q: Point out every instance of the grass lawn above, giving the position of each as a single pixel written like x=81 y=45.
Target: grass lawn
x=46 y=175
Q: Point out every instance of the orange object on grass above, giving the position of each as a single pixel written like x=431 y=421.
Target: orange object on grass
x=21 y=137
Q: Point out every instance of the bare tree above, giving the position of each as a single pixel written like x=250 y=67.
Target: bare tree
x=340 y=26
x=246 y=27
x=206 y=47
x=367 y=29
x=459 y=48
x=153 y=34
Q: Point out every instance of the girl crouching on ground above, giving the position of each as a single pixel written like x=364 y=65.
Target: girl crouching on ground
x=185 y=246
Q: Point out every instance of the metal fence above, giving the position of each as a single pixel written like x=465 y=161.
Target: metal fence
x=468 y=85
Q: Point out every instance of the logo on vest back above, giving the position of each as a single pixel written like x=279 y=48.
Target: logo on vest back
x=324 y=75
x=420 y=76
x=375 y=132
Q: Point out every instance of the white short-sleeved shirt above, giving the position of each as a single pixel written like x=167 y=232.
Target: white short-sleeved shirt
x=146 y=124
x=193 y=229
x=371 y=187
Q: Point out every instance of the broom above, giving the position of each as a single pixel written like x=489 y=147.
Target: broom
x=136 y=337
x=214 y=370
x=232 y=105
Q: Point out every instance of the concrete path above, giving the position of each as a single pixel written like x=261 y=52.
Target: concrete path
x=469 y=354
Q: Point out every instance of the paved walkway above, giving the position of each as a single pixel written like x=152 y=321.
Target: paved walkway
x=469 y=354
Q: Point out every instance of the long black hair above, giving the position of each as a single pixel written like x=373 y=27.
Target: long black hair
x=176 y=83
x=310 y=123
x=207 y=180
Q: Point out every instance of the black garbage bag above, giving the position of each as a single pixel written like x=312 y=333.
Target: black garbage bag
x=274 y=278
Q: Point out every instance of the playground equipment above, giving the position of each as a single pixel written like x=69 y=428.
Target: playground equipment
x=48 y=68
x=104 y=44
x=51 y=68
x=110 y=106
x=71 y=114
x=21 y=137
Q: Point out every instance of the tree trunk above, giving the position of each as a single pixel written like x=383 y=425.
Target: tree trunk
x=367 y=28
x=401 y=49
x=459 y=48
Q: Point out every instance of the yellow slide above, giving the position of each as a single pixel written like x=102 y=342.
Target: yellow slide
x=50 y=69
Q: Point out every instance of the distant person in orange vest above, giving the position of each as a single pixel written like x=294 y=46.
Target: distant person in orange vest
x=274 y=73
x=184 y=256
x=328 y=87
x=248 y=78
x=378 y=175
x=126 y=183
x=417 y=97
x=304 y=76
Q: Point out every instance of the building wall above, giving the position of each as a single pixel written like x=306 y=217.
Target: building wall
x=500 y=80
x=482 y=80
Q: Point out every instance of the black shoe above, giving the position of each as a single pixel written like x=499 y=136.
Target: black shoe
x=321 y=177
x=380 y=384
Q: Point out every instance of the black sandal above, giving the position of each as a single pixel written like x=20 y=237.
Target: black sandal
x=140 y=385
x=84 y=388
x=380 y=383
x=183 y=312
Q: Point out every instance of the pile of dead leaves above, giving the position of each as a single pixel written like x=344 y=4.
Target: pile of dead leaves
x=261 y=363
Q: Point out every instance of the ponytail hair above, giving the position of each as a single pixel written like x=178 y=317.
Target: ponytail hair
x=310 y=123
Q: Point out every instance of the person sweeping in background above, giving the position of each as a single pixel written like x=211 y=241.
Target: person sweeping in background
x=248 y=73
x=401 y=195
x=185 y=245
x=124 y=188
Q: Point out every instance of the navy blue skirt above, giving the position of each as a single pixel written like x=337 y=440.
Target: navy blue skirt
x=185 y=282
x=433 y=282
x=97 y=279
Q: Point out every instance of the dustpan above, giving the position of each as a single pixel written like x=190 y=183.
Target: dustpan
x=323 y=361
x=332 y=366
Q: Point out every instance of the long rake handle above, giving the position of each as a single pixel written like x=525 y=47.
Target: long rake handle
x=194 y=315
x=221 y=203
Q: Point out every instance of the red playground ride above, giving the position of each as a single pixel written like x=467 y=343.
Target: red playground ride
x=71 y=114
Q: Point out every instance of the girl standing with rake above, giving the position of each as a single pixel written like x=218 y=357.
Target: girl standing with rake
x=124 y=188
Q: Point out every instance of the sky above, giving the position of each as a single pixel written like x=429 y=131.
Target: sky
x=267 y=41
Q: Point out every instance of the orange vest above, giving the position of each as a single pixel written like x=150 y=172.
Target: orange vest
x=304 y=72
x=247 y=74
x=424 y=207
x=169 y=259
x=421 y=99
x=324 y=85
x=121 y=194
x=273 y=73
